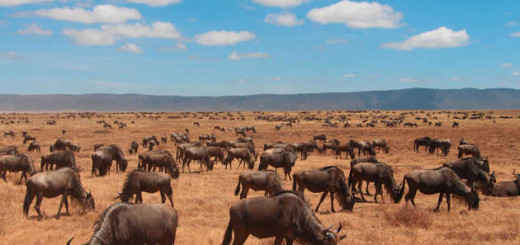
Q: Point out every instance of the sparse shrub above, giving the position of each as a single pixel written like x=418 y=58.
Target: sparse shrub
x=408 y=216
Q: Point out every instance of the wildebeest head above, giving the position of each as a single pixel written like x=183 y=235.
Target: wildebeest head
x=473 y=199
x=516 y=175
x=123 y=164
x=88 y=201
x=333 y=235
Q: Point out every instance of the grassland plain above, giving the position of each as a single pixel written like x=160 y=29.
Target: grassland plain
x=203 y=199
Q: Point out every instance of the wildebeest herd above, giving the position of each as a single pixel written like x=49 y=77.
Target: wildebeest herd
x=283 y=213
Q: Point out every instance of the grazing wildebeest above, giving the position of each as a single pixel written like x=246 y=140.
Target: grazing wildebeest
x=455 y=125
x=472 y=150
x=28 y=138
x=331 y=144
x=150 y=182
x=441 y=180
x=34 y=146
x=464 y=142
x=199 y=153
x=206 y=137
x=320 y=137
x=64 y=181
x=278 y=158
x=362 y=146
x=134 y=146
x=8 y=150
x=59 y=158
x=424 y=141
x=12 y=163
x=438 y=124
x=273 y=145
x=380 y=144
x=60 y=145
x=135 y=224
x=284 y=216
x=370 y=159
x=181 y=148
x=148 y=139
x=74 y=147
x=330 y=179
x=163 y=159
x=97 y=146
x=24 y=133
x=265 y=180
x=471 y=169
x=443 y=145
x=244 y=155
x=379 y=173
x=217 y=153
x=504 y=188
x=164 y=139
x=8 y=133
x=222 y=144
x=151 y=145
x=103 y=157
x=304 y=147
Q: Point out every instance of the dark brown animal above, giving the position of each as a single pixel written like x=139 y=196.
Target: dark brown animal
x=424 y=141
x=266 y=180
x=472 y=150
x=134 y=146
x=59 y=158
x=504 y=188
x=380 y=144
x=138 y=181
x=278 y=158
x=198 y=153
x=34 y=146
x=12 y=163
x=244 y=155
x=379 y=173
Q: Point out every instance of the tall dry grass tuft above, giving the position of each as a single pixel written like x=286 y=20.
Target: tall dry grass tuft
x=407 y=215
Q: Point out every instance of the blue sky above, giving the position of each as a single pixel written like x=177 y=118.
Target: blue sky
x=239 y=47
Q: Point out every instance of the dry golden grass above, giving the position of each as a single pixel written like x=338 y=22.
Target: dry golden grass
x=203 y=200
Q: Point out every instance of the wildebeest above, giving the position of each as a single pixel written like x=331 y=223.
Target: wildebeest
x=464 y=142
x=164 y=139
x=380 y=144
x=34 y=146
x=441 y=180
x=283 y=216
x=217 y=153
x=278 y=158
x=64 y=181
x=134 y=146
x=330 y=179
x=331 y=144
x=471 y=169
x=138 y=224
x=472 y=150
x=162 y=159
x=12 y=163
x=8 y=133
x=244 y=156
x=304 y=147
x=266 y=180
x=370 y=159
x=148 y=139
x=362 y=146
x=504 y=188
x=199 y=153
x=455 y=125
x=206 y=137
x=28 y=138
x=443 y=145
x=438 y=124
x=97 y=146
x=379 y=173
x=103 y=157
x=138 y=181
x=424 y=141
x=320 y=137
x=181 y=148
x=59 y=158
x=8 y=150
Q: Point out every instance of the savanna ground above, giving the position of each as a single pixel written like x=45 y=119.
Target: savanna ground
x=203 y=199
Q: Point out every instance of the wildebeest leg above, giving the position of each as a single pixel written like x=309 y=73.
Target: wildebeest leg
x=412 y=190
x=448 y=201
x=439 y=202
x=245 y=190
x=379 y=191
x=24 y=175
x=368 y=192
x=138 y=197
x=240 y=235
x=321 y=199
x=332 y=202
x=39 y=199
x=66 y=202
x=278 y=240
x=3 y=175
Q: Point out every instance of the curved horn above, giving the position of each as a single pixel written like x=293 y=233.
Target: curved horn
x=328 y=229
x=514 y=172
x=68 y=243
x=339 y=228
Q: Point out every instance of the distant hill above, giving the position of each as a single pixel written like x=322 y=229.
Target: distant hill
x=404 y=99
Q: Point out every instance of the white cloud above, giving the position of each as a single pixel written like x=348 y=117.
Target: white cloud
x=10 y=55
x=255 y=55
x=155 y=3
x=281 y=3
x=438 y=38
x=220 y=38
x=277 y=78
x=108 y=34
x=516 y=73
x=11 y=3
x=131 y=48
x=515 y=34
x=180 y=46
x=349 y=75
x=506 y=65
x=34 y=29
x=357 y=15
x=337 y=41
x=100 y=14
x=512 y=23
x=90 y=37
x=283 y=19
x=414 y=80
x=241 y=80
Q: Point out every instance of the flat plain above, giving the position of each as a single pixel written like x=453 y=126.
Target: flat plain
x=203 y=199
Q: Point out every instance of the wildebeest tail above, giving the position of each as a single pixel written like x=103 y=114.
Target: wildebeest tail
x=228 y=235
x=401 y=191
x=237 y=190
x=28 y=197
x=350 y=177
